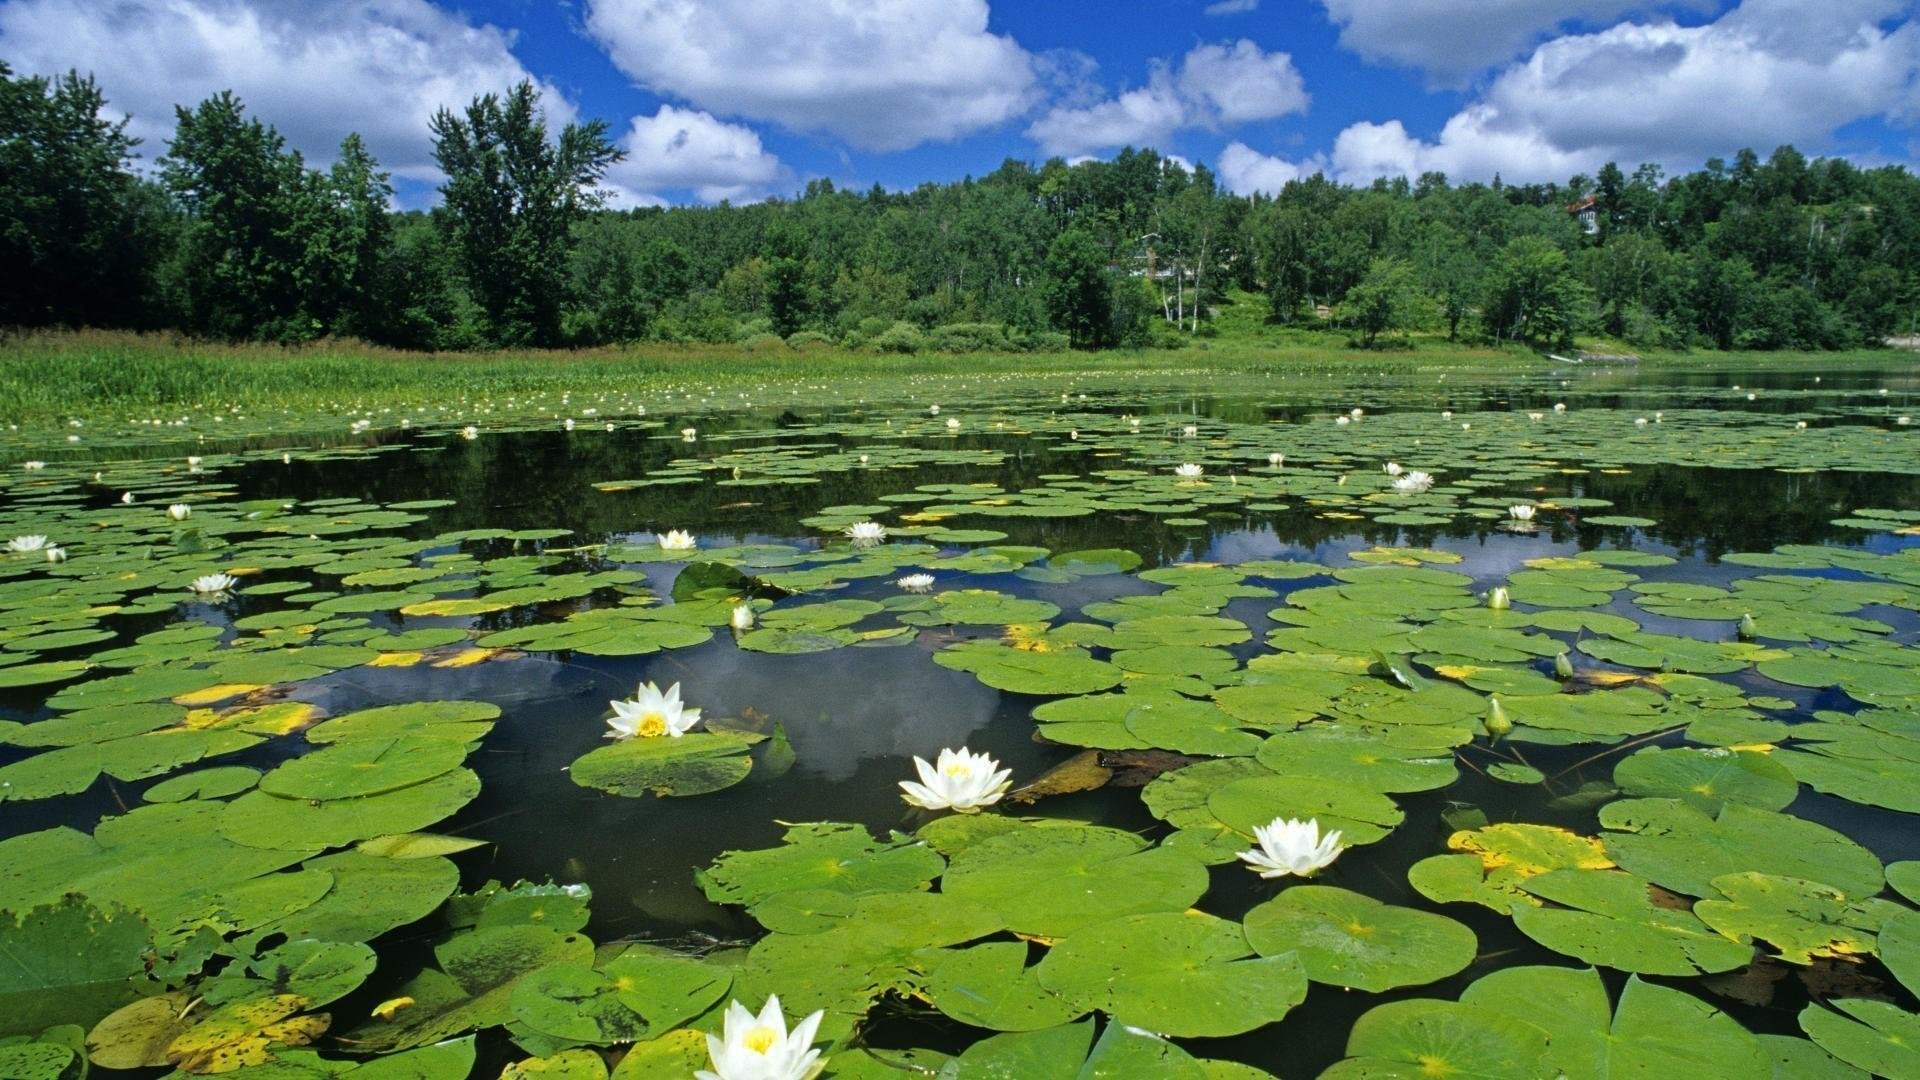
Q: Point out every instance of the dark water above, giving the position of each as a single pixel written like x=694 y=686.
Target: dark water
x=856 y=715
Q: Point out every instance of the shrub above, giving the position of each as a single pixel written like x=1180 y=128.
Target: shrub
x=1045 y=341
x=901 y=337
x=764 y=342
x=810 y=340
x=969 y=337
x=751 y=328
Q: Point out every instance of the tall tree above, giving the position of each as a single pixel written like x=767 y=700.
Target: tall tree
x=1532 y=295
x=1079 y=297
x=72 y=234
x=250 y=210
x=512 y=199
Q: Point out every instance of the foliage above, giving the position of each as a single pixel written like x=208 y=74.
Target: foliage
x=240 y=239
x=512 y=199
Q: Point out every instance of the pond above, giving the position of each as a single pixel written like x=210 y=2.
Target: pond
x=1607 y=680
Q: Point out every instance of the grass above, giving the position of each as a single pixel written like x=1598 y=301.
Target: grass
x=46 y=377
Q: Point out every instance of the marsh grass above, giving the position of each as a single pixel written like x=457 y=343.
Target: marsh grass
x=48 y=375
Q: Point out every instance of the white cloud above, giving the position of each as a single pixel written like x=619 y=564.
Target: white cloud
x=688 y=150
x=1768 y=72
x=1450 y=40
x=313 y=70
x=1215 y=86
x=1231 y=7
x=1245 y=170
x=881 y=74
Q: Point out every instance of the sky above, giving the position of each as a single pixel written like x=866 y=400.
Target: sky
x=745 y=99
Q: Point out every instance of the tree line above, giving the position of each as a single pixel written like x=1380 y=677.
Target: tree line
x=231 y=234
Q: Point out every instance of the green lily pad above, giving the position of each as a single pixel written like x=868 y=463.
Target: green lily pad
x=1346 y=939
x=1607 y=917
x=692 y=764
x=1185 y=974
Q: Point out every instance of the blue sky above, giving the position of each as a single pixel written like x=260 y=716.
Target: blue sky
x=742 y=99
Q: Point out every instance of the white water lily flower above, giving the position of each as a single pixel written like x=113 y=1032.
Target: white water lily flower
x=1522 y=513
x=760 y=1047
x=126 y=498
x=1342 y=421
x=1288 y=847
x=567 y=424
x=1412 y=483
x=676 y=540
x=1640 y=421
x=916 y=582
x=742 y=617
x=1498 y=598
x=652 y=714
x=688 y=434
x=1903 y=421
x=1189 y=471
x=1799 y=425
x=22 y=544
x=933 y=410
x=213 y=584
x=1536 y=417
x=1276 y=459
x=179 y=511
x=953 y=423
x=56 y=554
x=1559 y=406
x=957 y=780
x=1190 y=430
x=1392 y=468
x=470 y=432
x=866 y=532
x=33 y=466
x=1446 y=414
x=1356 y=413
x=193 y=461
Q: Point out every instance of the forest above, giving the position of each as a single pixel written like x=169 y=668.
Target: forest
x=226 y=233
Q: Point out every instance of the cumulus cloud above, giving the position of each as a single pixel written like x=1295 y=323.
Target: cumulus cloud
x=1765 y=73
x=1245 y=170
x=881 y=74
x=1451 y=40
x=1215 y=86
x=314 y=71
x=1231 y=7
x=688 y=150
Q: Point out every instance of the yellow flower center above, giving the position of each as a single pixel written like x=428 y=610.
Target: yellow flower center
x=761 y=1039
x=958 y=770
x=652 y=725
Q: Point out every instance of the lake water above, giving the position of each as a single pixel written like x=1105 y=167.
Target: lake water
x=1367 y=603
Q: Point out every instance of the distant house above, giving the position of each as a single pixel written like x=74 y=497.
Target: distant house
x=1588 y=213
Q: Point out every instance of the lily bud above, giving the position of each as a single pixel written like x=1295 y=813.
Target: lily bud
x=1496 y=721
x=1497 y=598
x=1563 y=666
x=1748 y=628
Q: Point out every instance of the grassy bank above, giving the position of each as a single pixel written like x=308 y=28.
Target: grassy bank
x=47 y=377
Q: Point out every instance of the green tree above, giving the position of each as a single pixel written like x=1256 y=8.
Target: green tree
x=1078 y=295
x=1387 y=299
x=512 y=198
x=351 y=242
x=1532 y=295
x=251 y=208
x=73 y=236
